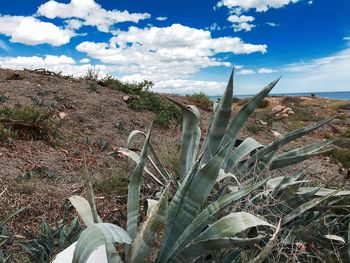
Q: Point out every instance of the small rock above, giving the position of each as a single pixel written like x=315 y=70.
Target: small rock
x=62 y=115
x=285 y=115
x=262 y=122
x=278 y=109
x=276 y=133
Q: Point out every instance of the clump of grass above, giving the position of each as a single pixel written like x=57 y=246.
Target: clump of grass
x=28 y=123
x=254 y=128
x=200 y=99
x=129 y=88
x=296 y=124
x=27 y=187
x=117 y=181
x=92 y=74
x=346 y=133
x=340 y=155
x=291 y=101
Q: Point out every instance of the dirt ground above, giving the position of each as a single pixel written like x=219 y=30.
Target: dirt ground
x=102 y=116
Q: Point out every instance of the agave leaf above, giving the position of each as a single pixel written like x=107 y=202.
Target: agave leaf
x=188 y=201
x=191 y=134
x=242 y=116
x=299 y=154
x=155 y=163
x=10 y=216
x=335 y=238
x=132 y=135
x=134 y=156
x=284 y=139
x=151 y=204
x=205 y=217
x=90 y=192
x=202 y=247
x=247 y=146
x=84 y=210
x=148 y=240
x=288 y=205
x=134 y=190
x=223 y=175
x=305 y=207
x=287 y=180
x=323 y=191
x=219 y=124
x=95 y=236
x=222 y=233
x=231 y=225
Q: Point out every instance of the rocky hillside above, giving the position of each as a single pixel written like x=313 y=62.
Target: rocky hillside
x=49 y=123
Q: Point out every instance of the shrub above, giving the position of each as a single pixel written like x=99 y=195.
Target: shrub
x=28 y=123
x=204 y=219
x=340 y=155
x=265 y=103
x=200 y=99
x=92 y=74
x=254 y=128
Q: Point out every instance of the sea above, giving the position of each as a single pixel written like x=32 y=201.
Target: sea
x=336 y=95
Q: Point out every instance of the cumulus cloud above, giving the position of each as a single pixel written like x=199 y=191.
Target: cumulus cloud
x=31 y=31
x=161 y=18
x=89 y=12
x=242 y=22
x=171 y=52
x=259 y=5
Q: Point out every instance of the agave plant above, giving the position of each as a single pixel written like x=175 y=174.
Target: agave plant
x=223 y=203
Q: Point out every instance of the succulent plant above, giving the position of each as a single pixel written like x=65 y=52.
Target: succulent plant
x=223 y=204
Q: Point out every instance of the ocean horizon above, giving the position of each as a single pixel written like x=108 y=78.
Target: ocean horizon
x=335 y=95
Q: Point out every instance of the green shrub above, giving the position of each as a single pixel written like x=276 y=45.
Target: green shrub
x=200 y=99
x=346 y=133
x=340 y=155
x=224 y=199
x=254 y=128
x=28 y=123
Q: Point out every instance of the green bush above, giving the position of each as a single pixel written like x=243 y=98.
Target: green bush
x=28 y=123
x=225 y=202
x=254 y=128
x=200 y=99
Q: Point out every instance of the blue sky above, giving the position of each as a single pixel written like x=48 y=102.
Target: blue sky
x=185 y=46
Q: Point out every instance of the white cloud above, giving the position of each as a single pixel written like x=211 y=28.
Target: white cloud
x=258 y=5
x=31 y=31
x=346 y=38
x=242 y=22
x=90 y=12
x=166 y=53
x=161 y=18
x=257 y=71
x=265 y=70
x=64 y=64
x=310 y=2
x=272 y=24
x=84 y=61
x=246 y=72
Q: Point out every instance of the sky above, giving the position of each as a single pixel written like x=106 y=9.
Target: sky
x=184 y=46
